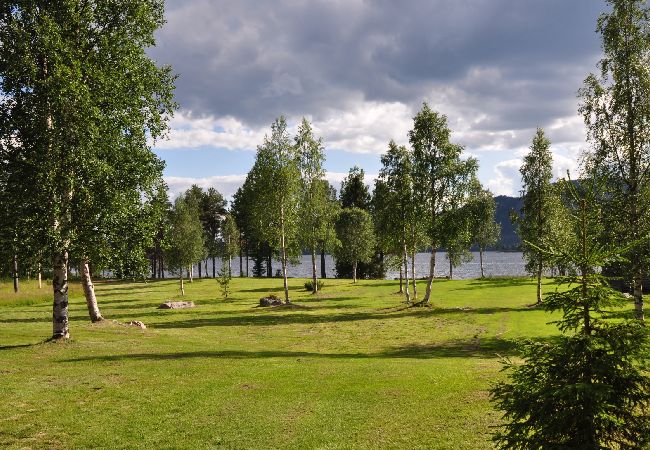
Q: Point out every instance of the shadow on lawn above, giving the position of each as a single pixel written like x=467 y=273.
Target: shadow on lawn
x=492 y=347
x=482 y=283
x=269 y=317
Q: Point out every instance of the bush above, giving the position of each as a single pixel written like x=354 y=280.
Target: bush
x=309 y=285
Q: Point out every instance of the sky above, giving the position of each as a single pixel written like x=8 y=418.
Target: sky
x=359 y=70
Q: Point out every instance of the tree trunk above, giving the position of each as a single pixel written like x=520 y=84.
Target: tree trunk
x=182 y=285
x=638 y=294
x=314 y=279
x=269 y=267
x=432 y=268
x=190 y=272
x=89 y=293
x=415 y=286
x=451 y=269
x=199 y=264
x=401 y=279
x=60 y=288
x=205 y=266
x=539 y=283
x=480 y=256
x=214 y=267
x=40 y=277
x=247 y=260
x=162 y=267
x=241 y=257
x=323 y=272
x=15 y=273
x=405 y=261
x=354 y=272
x=284 y=257
x=229 y=267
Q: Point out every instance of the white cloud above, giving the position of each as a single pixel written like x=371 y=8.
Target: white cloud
x=226 y=184
x=506 y=178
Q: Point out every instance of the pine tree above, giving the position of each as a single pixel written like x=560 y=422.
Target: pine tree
x=587 y=390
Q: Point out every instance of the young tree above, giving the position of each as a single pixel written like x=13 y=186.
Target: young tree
x=275 y=178
x=398 y=211
x=617 y=116
x=485 y=230
x=356 y=234
x=80 y=99
x=229 y=245
x=588 y=389
x=185 y=244
x=440 y=174
x=537 y=213
x=316 y=215
x=213 y=210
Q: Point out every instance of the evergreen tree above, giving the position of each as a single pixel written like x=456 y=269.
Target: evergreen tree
x=587 y=390
x=537 y=213
x=617 y=116
x=354 y=191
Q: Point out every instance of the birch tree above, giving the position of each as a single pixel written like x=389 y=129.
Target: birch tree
x=440 y=175
x=185 y=243
x=275 y=178
x=485 y=230
x=615 y=106
x=80 y=101
x=356 y=235
x=316 y=215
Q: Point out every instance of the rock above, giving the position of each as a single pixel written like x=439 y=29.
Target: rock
x=176 y=305
x=271 y=300
x=137 y=323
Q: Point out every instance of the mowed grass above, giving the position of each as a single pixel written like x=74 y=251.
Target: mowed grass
x=349 y=368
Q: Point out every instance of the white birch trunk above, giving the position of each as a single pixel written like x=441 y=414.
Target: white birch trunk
x=415 y=286
x=432 y=268
x=480 y=254
x=314 y=278
x=89 y=293
x=406 y=271
x=284 y=257
x=182 y=285
x=60 y=287
x=40 y=277
x=354 y=272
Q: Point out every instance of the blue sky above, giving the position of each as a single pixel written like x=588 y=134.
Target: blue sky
x=360 y=69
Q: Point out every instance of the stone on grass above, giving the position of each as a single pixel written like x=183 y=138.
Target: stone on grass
x=137 y=323
x=176 y=305
x=271 y=300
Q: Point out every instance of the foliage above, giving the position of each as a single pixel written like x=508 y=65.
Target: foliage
x=355 y=233
x=309 y=285
x=224 y=280
x=616 y=113
x=354 y=191
x=441 y=177
x=229 y=245
x=185 y=244
x=587 y=390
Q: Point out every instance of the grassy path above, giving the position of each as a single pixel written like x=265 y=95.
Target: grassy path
x=350 y=368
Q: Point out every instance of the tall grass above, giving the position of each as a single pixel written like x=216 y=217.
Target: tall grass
x=29 y=293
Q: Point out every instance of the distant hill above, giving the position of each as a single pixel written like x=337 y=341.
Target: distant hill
x=509 y=238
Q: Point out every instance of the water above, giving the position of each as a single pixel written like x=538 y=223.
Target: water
x=494 y=264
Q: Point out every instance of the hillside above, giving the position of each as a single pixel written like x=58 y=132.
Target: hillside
x=509 y=238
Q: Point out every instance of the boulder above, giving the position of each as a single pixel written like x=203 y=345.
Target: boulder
x=176 y=305
x=137 y=323
x=271 y=300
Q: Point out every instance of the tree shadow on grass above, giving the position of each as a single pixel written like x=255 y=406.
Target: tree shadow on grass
x=279 y=316
x=488 y=347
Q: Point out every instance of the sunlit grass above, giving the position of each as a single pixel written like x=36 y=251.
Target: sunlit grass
x=349 y=368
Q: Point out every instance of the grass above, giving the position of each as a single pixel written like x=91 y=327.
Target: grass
x=349 y=368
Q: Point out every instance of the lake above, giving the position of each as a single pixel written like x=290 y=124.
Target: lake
x=495 y=264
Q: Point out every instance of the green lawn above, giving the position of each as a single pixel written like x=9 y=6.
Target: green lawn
x=349 y=368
